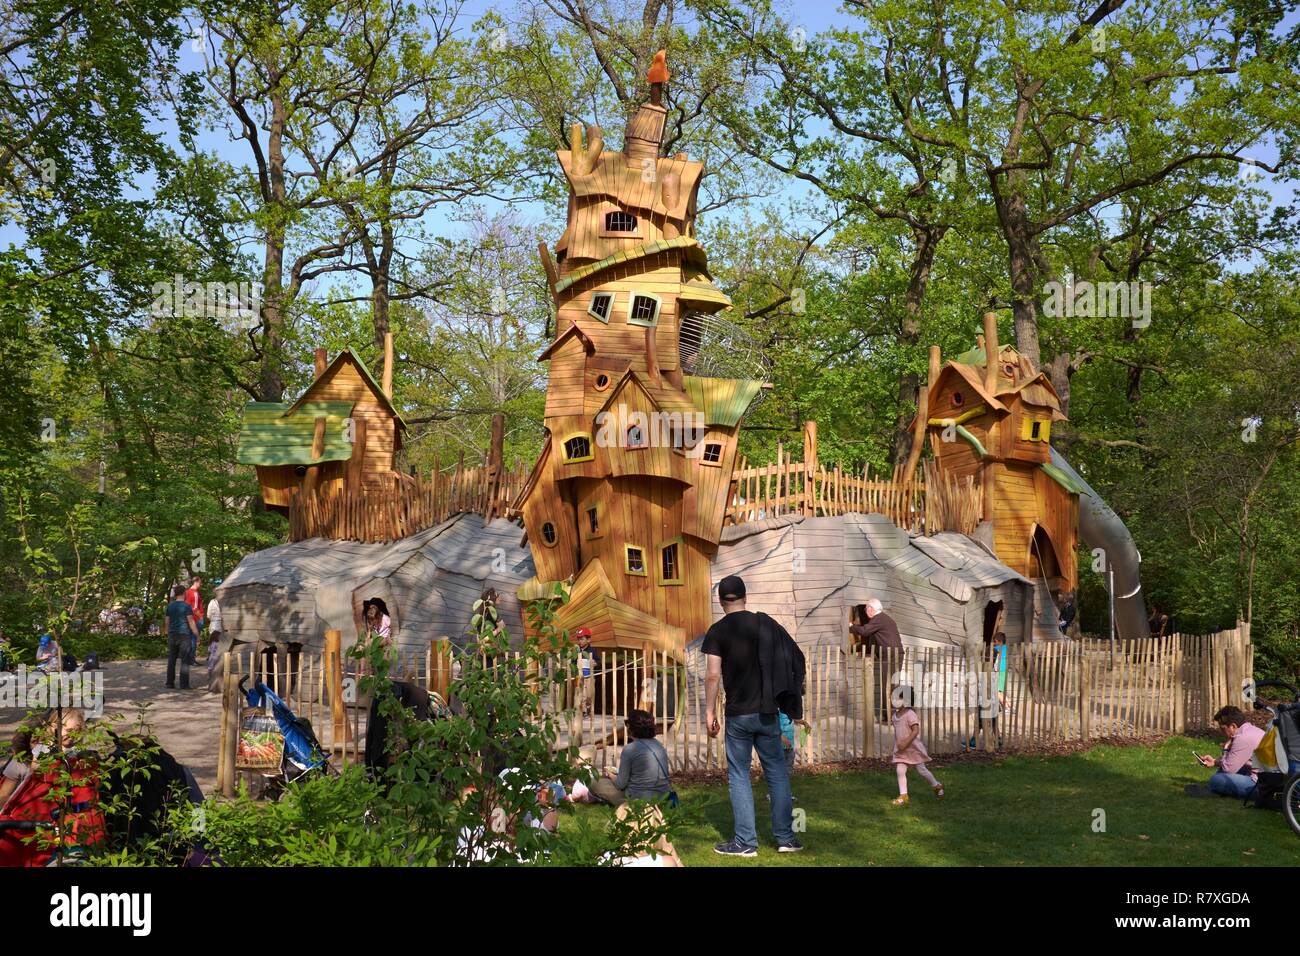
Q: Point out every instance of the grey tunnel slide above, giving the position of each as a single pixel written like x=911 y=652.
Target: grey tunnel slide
x=1100 y=527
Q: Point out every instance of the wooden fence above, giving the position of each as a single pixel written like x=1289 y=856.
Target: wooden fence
x=925 y=505
x=381 y=513
x=1055 y=692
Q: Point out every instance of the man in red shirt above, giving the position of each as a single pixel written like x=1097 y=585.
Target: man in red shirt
x=195 y=601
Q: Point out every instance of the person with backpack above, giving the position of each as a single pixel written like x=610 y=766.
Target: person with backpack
x=761 y=669
x=642 y=769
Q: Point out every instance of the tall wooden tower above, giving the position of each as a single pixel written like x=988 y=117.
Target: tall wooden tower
x=628 y=495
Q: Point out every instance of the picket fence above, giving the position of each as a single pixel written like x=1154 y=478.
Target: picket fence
x=1055 y=692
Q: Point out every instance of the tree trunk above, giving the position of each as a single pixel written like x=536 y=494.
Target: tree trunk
x=909 y=336
x=271 y=379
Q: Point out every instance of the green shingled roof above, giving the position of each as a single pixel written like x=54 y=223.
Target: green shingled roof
x=722 y=400
x=649 y=249
x=270 y=436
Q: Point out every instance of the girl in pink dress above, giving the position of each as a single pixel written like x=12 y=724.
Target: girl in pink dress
x=909 y=750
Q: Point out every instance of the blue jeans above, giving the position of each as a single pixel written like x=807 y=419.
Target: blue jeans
x=1232 y=784
x=762 y=732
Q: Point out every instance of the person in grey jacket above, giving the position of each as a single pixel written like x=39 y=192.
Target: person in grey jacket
x=643 y=769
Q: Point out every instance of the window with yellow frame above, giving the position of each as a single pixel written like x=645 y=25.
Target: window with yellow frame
x=634 y=560
x=577 y=448
x=670 y=562
x=1035 y=429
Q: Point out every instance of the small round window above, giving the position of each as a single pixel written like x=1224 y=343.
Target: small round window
x=1009 y=370
x=602 y=382
x=958 y=398
x=548 y=534
x=300 y=470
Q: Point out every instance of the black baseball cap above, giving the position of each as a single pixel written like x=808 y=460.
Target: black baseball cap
x=731 y=588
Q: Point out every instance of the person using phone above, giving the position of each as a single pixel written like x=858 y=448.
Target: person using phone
x=1234 y=776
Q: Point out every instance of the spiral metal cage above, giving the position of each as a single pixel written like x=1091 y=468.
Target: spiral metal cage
x=713 y=347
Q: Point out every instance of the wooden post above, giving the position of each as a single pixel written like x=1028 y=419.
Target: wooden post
x=496 y=457
x=387 y=383
x=936 y=364
x=918 y=434
x=810 y=468
x=320 y=359
x=991 y=353
x=334 y=683
x=229 y=727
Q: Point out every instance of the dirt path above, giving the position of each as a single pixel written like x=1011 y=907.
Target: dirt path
x=186 y=722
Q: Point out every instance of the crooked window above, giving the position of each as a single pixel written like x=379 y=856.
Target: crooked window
x=602 y=304
x=620 y=222
x=644 y=310
x=577 y=448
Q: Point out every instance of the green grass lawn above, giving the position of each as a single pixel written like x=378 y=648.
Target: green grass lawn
x=1018 y=810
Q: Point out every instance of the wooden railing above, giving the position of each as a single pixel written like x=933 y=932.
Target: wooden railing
x=407 y=506
x=925 y=505
x=1055 y=692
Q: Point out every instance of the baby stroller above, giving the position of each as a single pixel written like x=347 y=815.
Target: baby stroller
x=54 y=815
x=294 y=757
x=1278 y=755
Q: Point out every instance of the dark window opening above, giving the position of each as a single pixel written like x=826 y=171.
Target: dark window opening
x=713 y=452
x=600 y=305
x=602 y=382
x=635 y=436
x=548 y=533
x=1035 y=430
x=668 y=563
x=958 y=398
x=577 y=447
x=593 y=520
x=635 y=560
x=620 y=222
x=644 y=310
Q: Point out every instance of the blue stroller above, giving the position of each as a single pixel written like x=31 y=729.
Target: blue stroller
x=302 y=754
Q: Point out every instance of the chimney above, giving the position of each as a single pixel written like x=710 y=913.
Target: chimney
x=645 y=128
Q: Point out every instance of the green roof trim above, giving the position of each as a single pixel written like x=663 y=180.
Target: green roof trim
x=271 y=436
x=973 y=356
x=649 y=249
x=1063 y=478
x=723 y=401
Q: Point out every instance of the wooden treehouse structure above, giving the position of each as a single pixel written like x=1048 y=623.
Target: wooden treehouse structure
x=628 y=496
x=992 y=421
x=328 y=461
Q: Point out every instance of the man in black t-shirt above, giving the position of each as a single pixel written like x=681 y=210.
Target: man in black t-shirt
x=731 y=649
x=181 y=630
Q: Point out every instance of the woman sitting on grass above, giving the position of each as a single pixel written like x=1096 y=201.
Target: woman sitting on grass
x=909 y=751
x=643 y=769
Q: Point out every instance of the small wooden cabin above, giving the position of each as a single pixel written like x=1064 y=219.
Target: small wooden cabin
x=343 y=430
x=995 y=423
